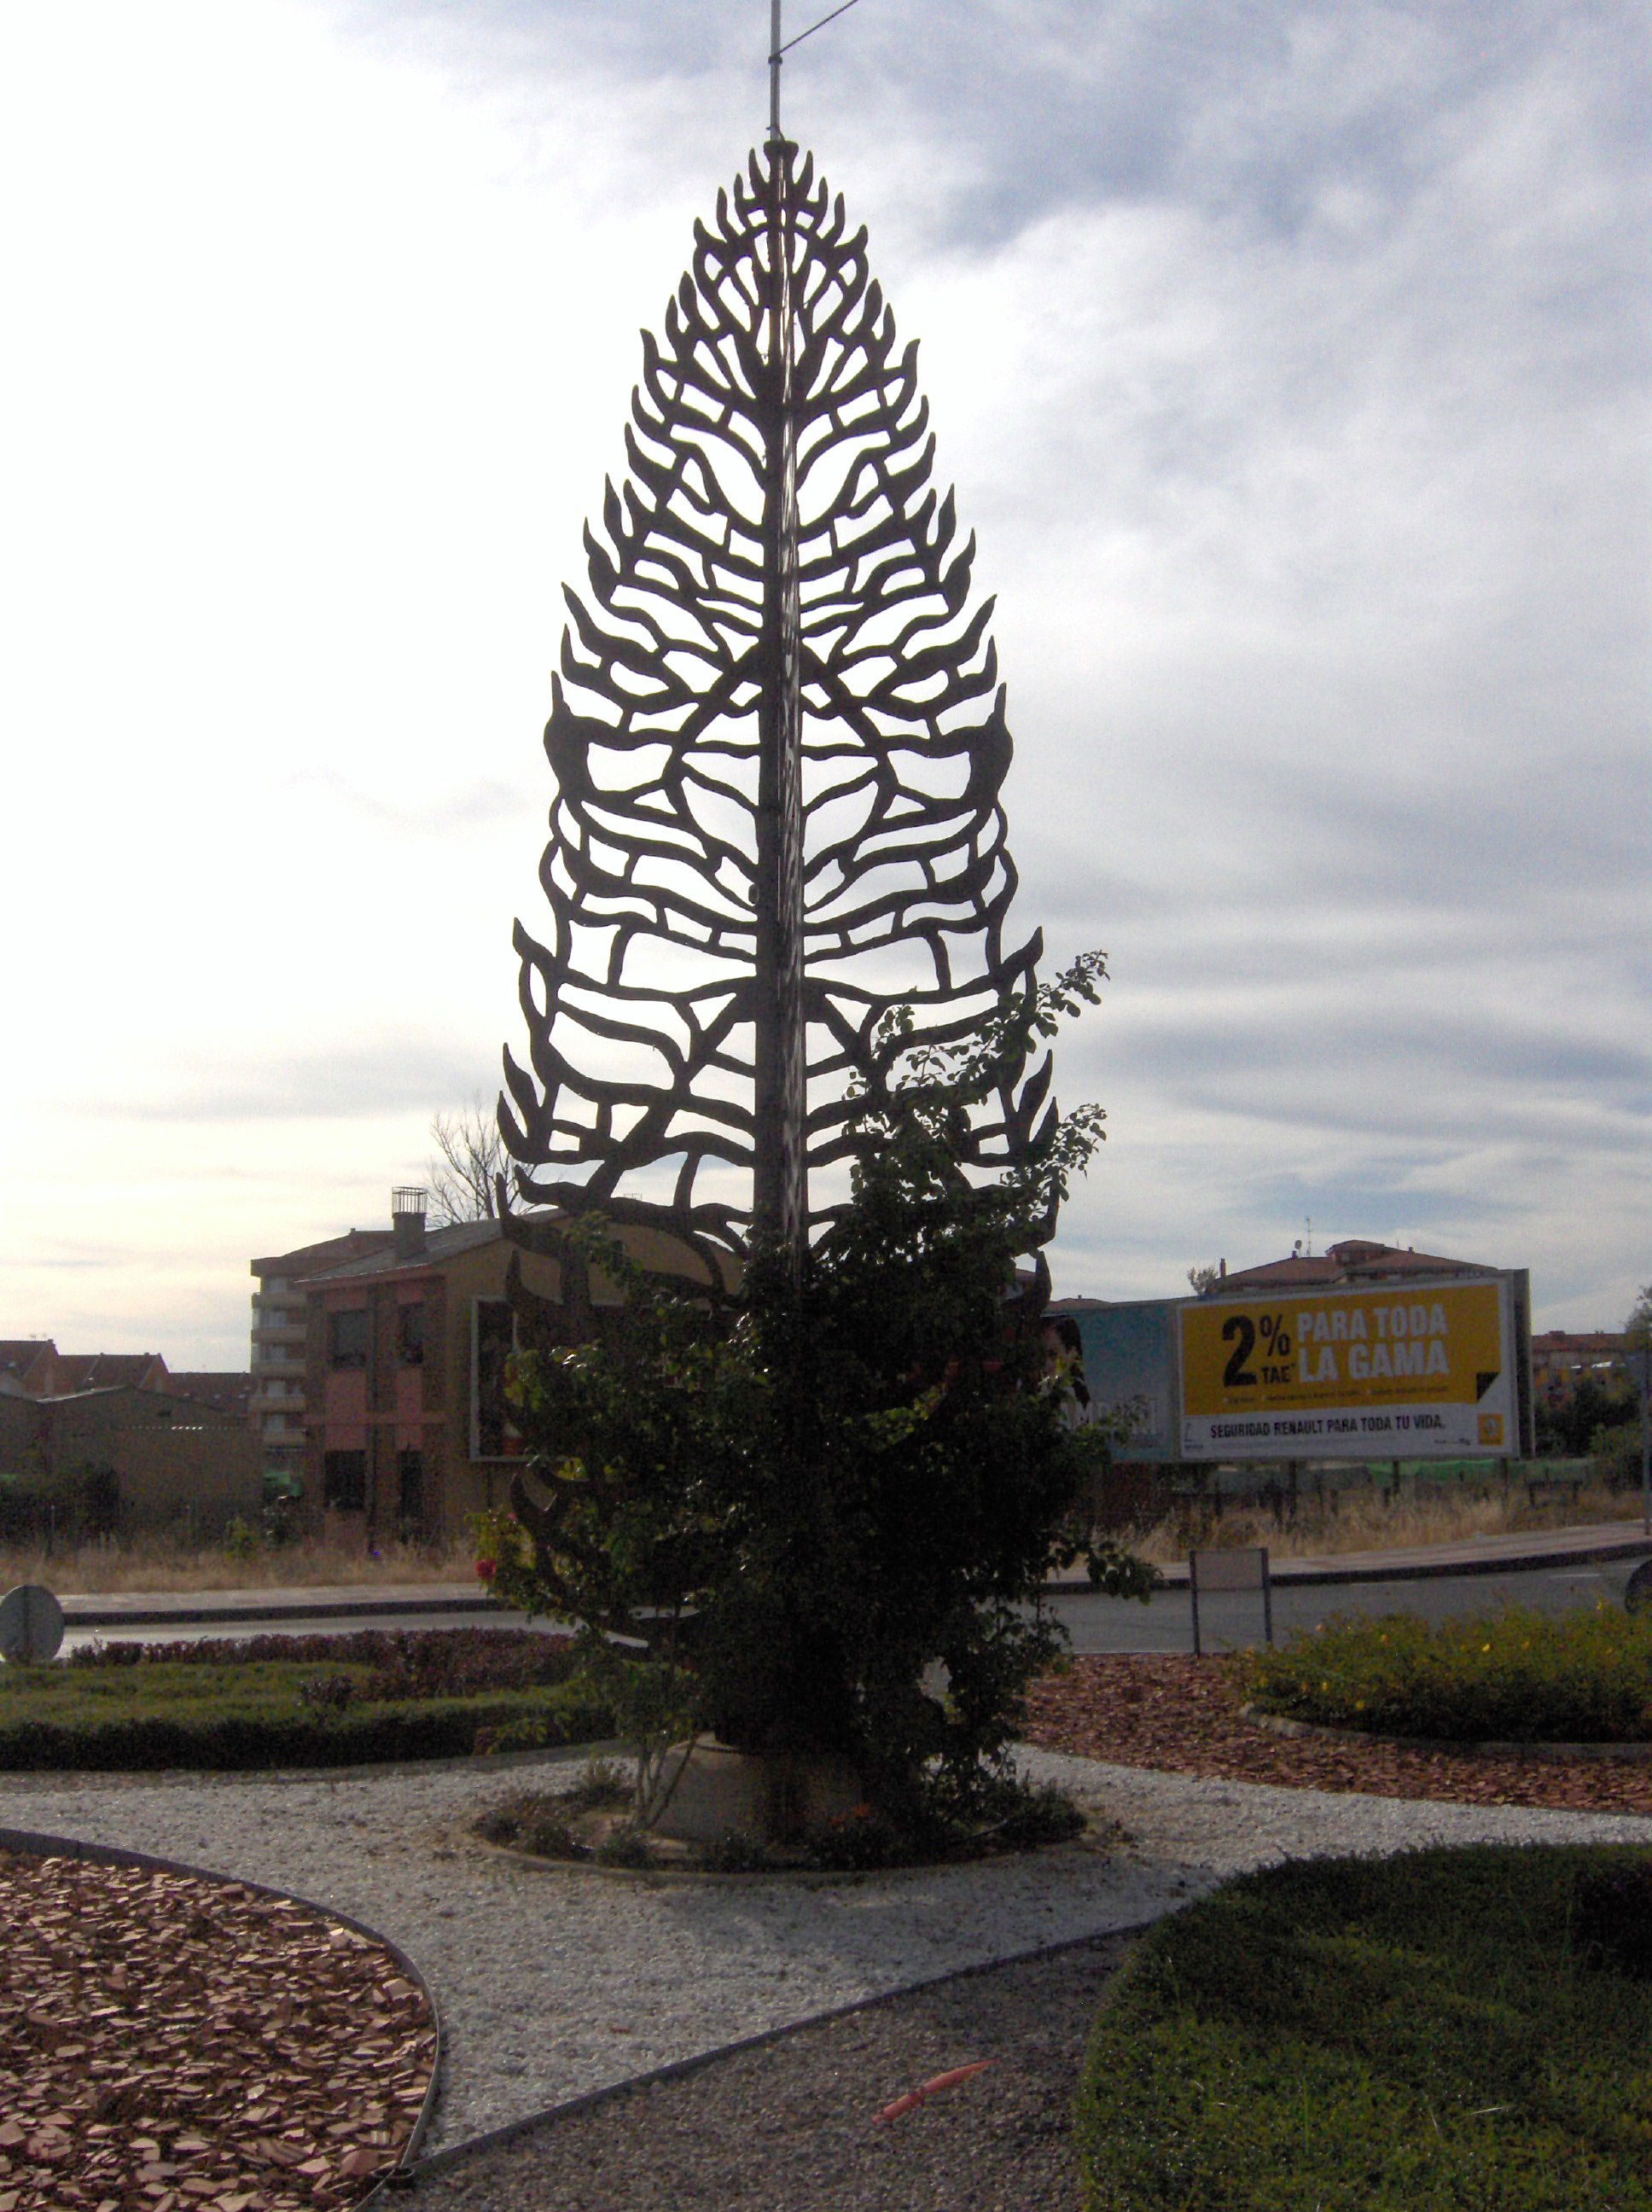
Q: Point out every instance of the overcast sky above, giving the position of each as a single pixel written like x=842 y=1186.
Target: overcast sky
x=1289 y=363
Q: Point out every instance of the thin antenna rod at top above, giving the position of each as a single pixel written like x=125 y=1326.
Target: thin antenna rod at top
x=779 y=48
x=775 y=52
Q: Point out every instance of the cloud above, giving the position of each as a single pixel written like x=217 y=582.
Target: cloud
x=374 y=1081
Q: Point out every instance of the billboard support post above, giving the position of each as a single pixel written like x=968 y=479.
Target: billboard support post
x=1646 y=1431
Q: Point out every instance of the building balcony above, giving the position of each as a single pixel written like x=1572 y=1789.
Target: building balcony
x=279 y=1331
x=276 y=1401
x=283 y=1363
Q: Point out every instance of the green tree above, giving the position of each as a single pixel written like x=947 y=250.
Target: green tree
x=805 y=1498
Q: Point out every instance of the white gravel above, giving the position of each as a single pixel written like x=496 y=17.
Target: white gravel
x=552 y=1983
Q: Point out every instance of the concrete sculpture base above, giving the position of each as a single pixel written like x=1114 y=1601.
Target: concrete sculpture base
x=708 y=1789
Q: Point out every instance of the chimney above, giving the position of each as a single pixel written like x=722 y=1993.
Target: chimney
x=1221 y=1267
x=407 y=1221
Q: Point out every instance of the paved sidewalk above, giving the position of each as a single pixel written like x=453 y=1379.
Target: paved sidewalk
x=1550 y=1547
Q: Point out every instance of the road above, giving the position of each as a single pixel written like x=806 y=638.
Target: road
x=1103 y=1624
x=1229 y=1621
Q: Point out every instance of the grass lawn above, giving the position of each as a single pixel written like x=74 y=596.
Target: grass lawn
x=323 y=1701
x=1411 y=2034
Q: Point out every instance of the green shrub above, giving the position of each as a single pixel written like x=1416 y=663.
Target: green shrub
x=533 y=1820
x=627 y=1847
x=1424 y=2033
x=736 y=1852
x=603 y=1787
x=327 y=1693
x=1045 y=1815
x=1517 y=1676
x=240 y=1539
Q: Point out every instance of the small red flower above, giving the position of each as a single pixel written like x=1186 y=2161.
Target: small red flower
x=486 y=1569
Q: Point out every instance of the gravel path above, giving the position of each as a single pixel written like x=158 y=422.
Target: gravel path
x=552 y=1983
x=793 y=2124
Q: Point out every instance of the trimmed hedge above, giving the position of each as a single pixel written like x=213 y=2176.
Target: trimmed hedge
x=1516 y=1677
x=1451 y=2030
x=233 y=1741
x=256 y=1701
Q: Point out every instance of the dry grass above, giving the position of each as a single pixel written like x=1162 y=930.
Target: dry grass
x=1360 y=1520
x=154 y=1563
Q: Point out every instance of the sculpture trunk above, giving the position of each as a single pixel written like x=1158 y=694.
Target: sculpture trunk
x=780 y=1193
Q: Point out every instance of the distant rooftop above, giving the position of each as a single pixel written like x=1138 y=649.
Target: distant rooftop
x=1352 y=1261
x=312 y=1259
x=440 y=1244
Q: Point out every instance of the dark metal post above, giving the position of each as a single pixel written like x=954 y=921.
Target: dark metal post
x=1192 y=1592
x=774 y=70
x=780 y=1196
x=1646 y=1430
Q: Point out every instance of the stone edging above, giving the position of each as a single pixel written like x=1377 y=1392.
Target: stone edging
x=72 y=1847
x=1096 y=1826
x=1277 y=1724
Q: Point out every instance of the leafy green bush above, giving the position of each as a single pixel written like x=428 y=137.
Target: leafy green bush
x=240 y=1539
x=533 y=1820
x=627 y=1847
x=1518 y=1676
x=1043 y=1815
x=798 y=1497
x=1422 y=2033
x=735 y=1852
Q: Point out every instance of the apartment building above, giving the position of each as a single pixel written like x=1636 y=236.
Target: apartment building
x=279 y=1345
x=408 y=1429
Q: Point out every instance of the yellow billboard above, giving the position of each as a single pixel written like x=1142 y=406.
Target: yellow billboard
x=1394 y=1373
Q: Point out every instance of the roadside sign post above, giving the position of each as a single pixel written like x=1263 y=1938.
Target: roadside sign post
x=1231 y=1571
x=1646 y=1432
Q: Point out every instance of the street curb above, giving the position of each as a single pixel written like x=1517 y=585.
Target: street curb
x=1398 y=1569
x=198 y=1616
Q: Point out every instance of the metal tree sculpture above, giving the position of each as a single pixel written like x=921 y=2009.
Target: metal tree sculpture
x=778 y=738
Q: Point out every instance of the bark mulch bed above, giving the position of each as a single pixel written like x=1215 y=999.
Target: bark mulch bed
x=1182 y=1715
x=168 y=2043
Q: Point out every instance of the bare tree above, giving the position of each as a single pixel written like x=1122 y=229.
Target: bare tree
x=469 y=1155
x=1204 y=1279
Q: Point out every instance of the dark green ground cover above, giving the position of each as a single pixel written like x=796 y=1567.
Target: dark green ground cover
x=1447 y=2031
x=1516 y=1677
x=296 y=1701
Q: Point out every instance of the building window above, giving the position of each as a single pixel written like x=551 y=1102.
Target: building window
x=410 y=1335
x=409 y=1494
x=344 y=1481
x=347 y=1337
x=493 y=1341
